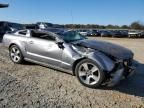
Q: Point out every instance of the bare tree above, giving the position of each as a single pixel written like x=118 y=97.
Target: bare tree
x=137 y=25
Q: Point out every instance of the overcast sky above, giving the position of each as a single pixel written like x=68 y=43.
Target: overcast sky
x=77 y=11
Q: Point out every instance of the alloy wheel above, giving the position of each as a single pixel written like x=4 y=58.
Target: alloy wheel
x=15 y=54
x=89 y=73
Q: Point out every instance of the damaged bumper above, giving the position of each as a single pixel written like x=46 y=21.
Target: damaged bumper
x=121 y=73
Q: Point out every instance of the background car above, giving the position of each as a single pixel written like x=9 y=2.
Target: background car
x=83 y=32
x=124 y=33
x=55 y=30
x=9 y=27
x=105 y=33
x=136 y=34
x=116 y=33
x=31 y=26
x=142 y=34
x=93 y=33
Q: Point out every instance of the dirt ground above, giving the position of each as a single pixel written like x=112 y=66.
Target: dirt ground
x=33 y=86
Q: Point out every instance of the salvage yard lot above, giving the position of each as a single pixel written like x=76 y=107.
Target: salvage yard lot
x=31 y=85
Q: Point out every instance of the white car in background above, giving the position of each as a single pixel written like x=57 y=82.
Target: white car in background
x=42 y=26
x=136 y=34
x=83 y=32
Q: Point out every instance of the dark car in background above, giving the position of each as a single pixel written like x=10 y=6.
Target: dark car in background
x=31 y=26
x=9 y=27
x=124 y=33
x=105 y=33
x=116 y=33
x=93 y=33
x=54 y=30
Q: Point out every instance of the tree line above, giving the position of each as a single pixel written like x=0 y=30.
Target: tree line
x=135 y=25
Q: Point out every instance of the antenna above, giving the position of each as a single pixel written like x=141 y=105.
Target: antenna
x=72 y=19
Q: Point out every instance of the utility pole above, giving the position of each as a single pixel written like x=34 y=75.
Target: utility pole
x=72 y=18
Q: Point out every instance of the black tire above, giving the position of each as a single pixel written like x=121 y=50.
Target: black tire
x=20 y=55
x=101 y=74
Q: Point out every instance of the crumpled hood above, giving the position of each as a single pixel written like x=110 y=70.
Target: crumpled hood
x=114 y=50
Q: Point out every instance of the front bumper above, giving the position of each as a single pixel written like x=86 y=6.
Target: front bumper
x=119 y=74
x=130 y=71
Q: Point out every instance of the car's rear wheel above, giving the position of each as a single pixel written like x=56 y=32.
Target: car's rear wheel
x=16 y=54
x=89 y=73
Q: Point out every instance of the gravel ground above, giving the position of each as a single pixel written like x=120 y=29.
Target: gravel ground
x=31 y=85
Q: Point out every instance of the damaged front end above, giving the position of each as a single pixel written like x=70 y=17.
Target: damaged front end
x=122 y=70
x=116 y=65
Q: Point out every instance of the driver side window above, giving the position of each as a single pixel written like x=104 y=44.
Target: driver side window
x=23 y=32
x=44 y=36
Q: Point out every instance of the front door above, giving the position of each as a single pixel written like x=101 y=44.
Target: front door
x=44 y=50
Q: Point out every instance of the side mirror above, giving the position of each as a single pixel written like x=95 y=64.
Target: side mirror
x=60 y=44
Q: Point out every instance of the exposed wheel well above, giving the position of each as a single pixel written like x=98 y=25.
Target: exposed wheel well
x=11 y=45
x=75 y=63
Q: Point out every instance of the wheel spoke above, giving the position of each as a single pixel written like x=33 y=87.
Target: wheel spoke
x=17 y=52
x=12 y=54
x=94 y=69
x=95 y=78
x=82 y=73
x=87 y=80
x=85 y=65
x=13 y=50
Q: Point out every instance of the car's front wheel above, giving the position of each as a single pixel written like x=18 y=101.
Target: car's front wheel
x=89 y=73
x=16 y=54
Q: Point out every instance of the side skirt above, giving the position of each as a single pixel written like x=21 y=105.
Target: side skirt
x=49 y=66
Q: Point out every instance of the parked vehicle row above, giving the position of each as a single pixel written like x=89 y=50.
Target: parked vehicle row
x=112 y=33
x=9 y=27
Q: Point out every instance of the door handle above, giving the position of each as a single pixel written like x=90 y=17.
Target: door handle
x=31 y=42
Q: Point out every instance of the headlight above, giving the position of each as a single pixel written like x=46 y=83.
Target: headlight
x=82 y=50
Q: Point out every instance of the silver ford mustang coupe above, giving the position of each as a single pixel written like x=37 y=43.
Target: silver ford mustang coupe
x=94 y=63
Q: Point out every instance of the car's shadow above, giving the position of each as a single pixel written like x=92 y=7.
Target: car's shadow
x=133 y=85
x=26 y=63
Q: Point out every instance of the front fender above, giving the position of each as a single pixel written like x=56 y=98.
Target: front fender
x=102 y=60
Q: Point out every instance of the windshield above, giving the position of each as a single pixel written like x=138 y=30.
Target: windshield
x=71 y=36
